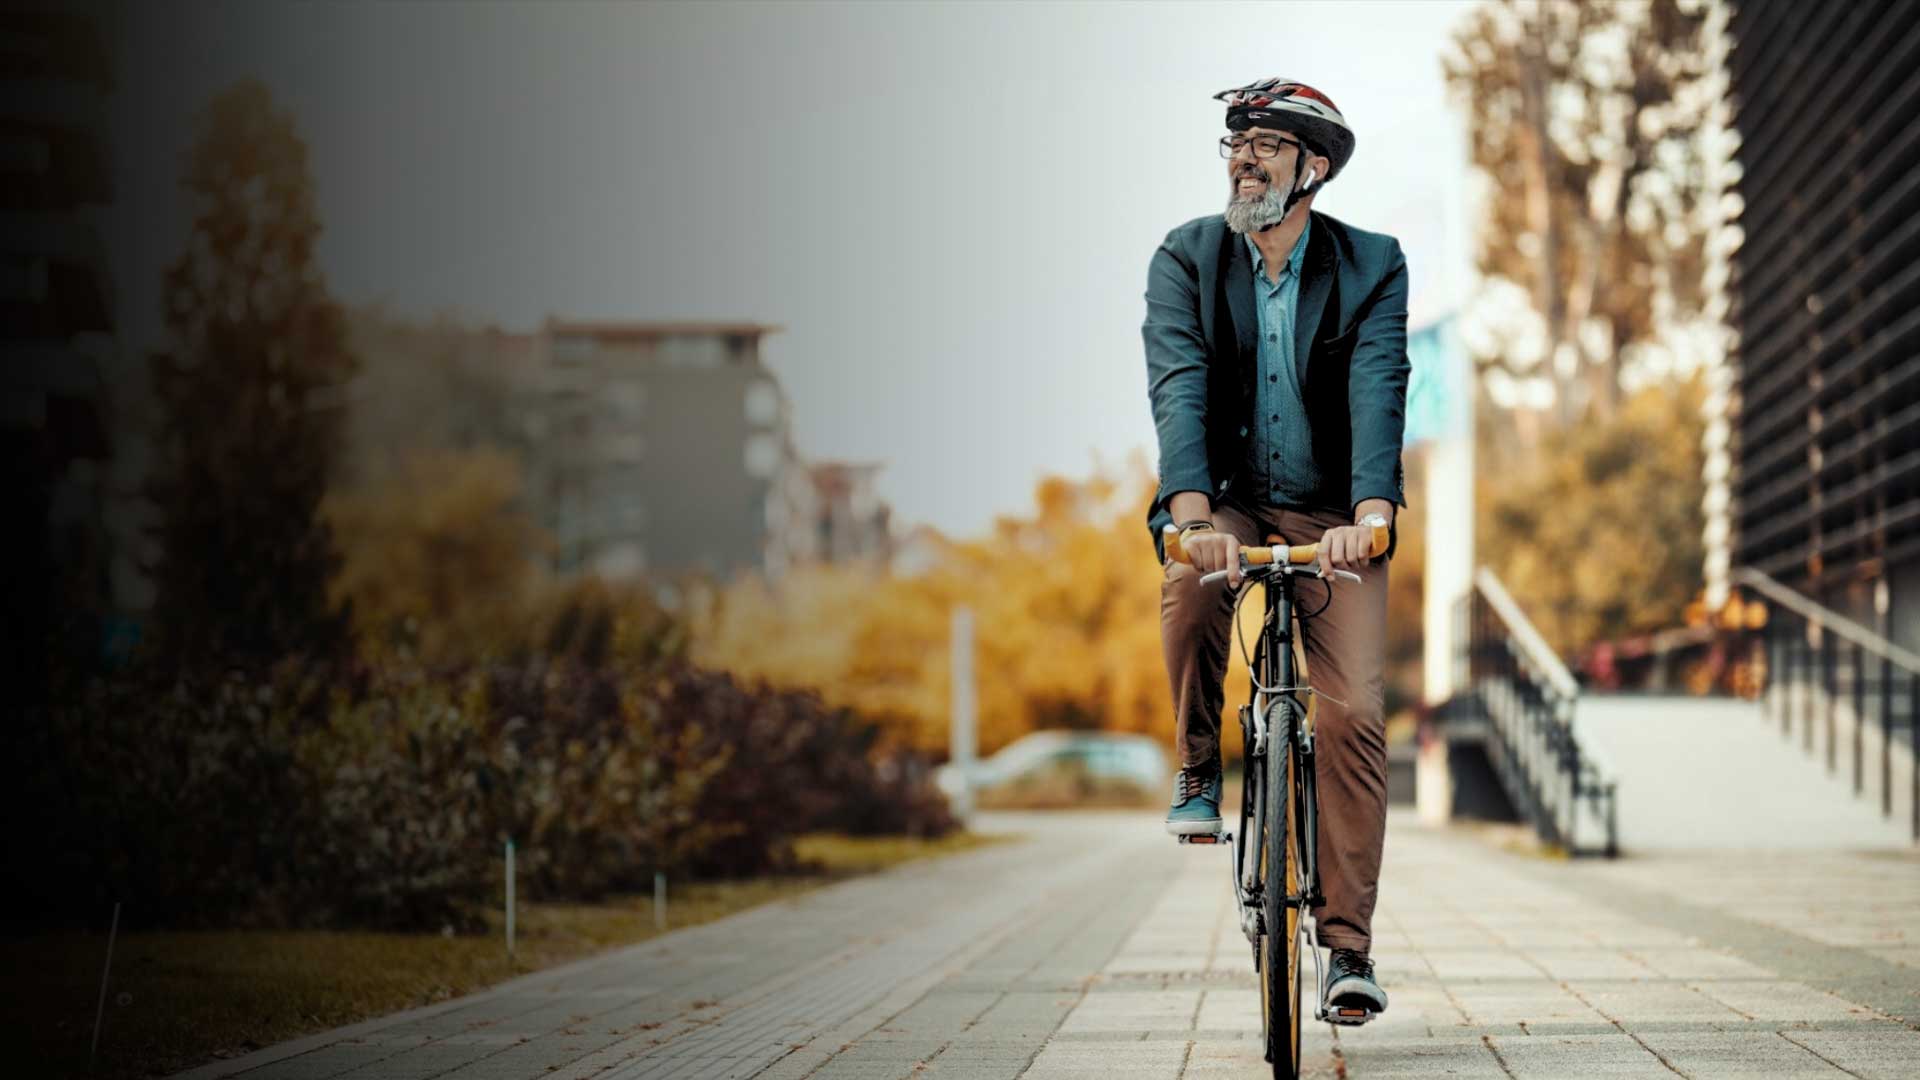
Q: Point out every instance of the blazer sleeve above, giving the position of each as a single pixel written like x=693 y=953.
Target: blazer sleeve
x=1177 y=372
x=1377 y=387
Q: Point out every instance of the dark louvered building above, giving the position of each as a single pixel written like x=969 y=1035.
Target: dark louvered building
x=1825 y=409
x=56 y=323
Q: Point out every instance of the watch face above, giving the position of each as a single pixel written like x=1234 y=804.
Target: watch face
x=1373 y=521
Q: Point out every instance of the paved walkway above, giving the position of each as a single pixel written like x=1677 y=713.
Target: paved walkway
x=1098 y=949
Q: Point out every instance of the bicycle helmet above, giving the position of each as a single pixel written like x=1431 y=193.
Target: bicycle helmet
x=1285 y=105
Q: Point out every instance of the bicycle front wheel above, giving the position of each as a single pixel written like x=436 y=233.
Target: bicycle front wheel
x=1280 y=888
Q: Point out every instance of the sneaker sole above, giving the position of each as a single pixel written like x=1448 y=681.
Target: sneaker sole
x=1193 y=828
x=1371 y=1008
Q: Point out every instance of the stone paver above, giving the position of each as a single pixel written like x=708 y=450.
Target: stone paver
x=1096 y=948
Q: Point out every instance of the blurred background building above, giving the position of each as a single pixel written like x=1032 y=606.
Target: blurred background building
x=844 y=518
x=1818 y=420
x=666 y=448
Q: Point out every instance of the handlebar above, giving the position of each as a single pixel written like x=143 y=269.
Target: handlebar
x=1278 y=554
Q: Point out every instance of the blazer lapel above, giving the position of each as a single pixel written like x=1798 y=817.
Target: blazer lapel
x=1239 y=286
x=1316 y=281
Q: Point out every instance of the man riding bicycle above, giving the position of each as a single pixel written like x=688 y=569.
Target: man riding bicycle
x=1276 y=344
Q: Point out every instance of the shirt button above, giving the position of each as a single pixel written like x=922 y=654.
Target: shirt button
x=1273 y=378
x=1276 y=456
x=1276 y=416
x=1271 y=337
x=1243 y=431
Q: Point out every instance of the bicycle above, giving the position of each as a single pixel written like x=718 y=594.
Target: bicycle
x=1275 y=867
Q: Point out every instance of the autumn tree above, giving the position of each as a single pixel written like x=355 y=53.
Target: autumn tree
x=1066 y=603
x=437 y=553
x=1598 y=535
x=1589 y=123
x=249 y=396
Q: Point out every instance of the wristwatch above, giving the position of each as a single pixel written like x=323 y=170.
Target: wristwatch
x=1374 y=520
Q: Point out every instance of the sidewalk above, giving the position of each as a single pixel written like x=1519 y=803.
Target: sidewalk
x=1099 y=949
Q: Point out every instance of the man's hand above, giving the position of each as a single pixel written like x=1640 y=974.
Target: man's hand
x=1344 y=547
x=1210 y=550
x=1347 y=547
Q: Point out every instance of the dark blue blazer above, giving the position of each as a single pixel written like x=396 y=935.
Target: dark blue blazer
x=1202 y=356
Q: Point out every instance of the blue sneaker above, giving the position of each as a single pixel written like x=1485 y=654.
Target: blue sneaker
x=1196 y=801
x=1353 y=994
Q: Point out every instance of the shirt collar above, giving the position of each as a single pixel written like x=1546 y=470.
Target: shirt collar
x=1294 y=259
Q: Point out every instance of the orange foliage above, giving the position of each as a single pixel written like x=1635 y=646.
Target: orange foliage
x=1066 y=603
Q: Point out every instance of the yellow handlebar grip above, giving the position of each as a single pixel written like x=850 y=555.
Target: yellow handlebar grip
x=1170 y=538
x=1298 y=554
x=1306 y=553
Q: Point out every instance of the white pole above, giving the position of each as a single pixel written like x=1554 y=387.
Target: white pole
x=961 y=732
x=100 y=1011
x=1449 y=571
x=659 y=900
x=509 y=899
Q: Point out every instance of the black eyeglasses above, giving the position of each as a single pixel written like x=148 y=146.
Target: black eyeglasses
x=1264 y=146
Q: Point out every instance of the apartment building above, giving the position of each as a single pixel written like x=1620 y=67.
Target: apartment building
x=663 y=449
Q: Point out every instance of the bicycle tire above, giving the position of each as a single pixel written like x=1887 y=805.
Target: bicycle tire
x=1279 y=872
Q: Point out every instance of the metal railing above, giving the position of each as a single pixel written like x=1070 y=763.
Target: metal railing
x=1830 y=677
x=1527 y=697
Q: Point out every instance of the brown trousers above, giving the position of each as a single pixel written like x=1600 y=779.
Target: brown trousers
x=1345 y=647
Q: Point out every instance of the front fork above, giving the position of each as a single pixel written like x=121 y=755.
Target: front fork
x=1246 y=886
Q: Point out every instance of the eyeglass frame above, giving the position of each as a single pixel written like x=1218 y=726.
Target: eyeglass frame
x=1228 y=152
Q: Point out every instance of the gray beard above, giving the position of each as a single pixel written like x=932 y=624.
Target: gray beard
x=1252 y=215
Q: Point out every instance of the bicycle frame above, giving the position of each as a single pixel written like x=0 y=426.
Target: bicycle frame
x=1273 y=676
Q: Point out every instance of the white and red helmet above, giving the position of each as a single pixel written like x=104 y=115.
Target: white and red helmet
x=1286 y=105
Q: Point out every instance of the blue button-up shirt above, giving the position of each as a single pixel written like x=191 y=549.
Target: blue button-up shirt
x=1281 y=444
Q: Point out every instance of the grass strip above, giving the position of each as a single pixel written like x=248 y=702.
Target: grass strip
x=178 y=999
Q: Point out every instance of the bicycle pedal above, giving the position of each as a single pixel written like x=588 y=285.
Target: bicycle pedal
x=1347 y=1015
x=1203 y=838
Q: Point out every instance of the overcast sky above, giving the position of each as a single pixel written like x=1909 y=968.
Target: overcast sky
x=948 y=207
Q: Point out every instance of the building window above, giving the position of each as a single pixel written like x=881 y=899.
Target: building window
x=628 y=396
x=692 y=352
x=571 y=349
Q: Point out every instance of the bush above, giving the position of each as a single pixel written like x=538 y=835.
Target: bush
x=383 y=800
x=790 y=764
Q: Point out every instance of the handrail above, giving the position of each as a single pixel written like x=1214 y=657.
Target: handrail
x=1524 y=690
x=1819 y=682
x=1814 y=612
x=1538 y=652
